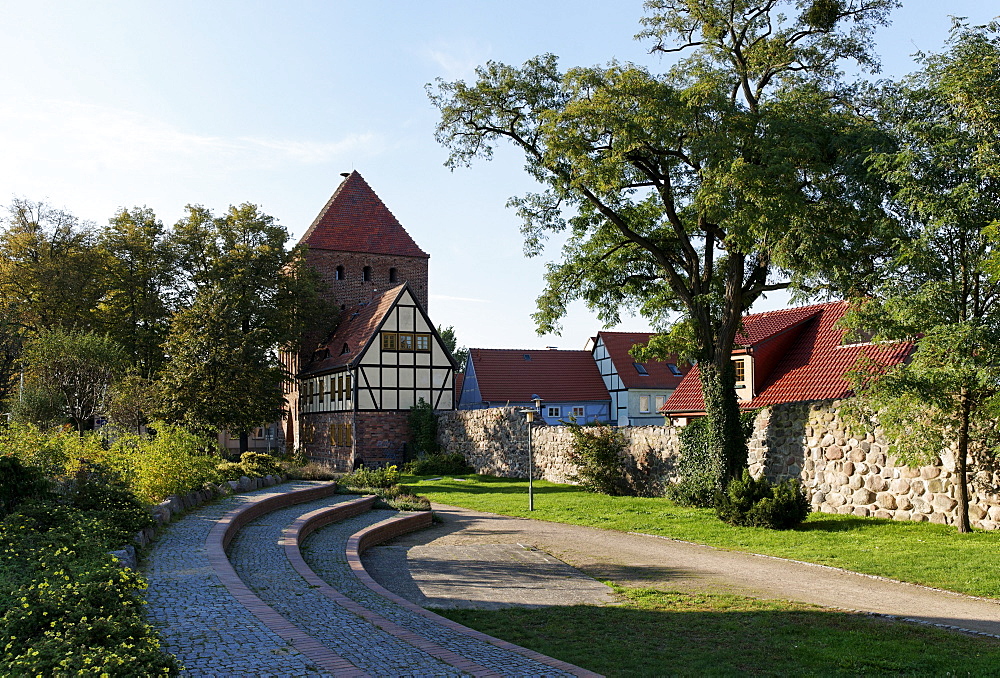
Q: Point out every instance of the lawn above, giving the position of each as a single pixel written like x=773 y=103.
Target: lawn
x=922 y=553
x=655 y=633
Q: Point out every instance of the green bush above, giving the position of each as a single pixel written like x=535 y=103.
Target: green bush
x=257 y=464
x=105 y=499
x=408 y=502
x=19 y=483
x=755 y=503
x=423 y=427
x=229 y=470
x=371 y=478
x=599 y=455
x=309 y=471
x=699 y=467
x=173 y=461
x=57 y=453
x=439 y=465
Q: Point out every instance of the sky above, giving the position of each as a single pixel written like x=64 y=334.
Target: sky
x=123 y=103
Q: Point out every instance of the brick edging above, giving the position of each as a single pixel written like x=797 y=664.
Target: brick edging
x=387 y=529
x=293 y=536
x=215 y=545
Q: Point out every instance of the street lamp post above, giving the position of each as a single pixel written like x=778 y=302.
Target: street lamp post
x=529 y=416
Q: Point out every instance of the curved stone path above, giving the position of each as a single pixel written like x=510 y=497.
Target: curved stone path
x=213 y=633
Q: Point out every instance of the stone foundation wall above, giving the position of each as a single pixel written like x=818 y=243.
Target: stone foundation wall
x=841 y=471
x=377 y=438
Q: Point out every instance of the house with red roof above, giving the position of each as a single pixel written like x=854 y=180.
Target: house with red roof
x=785 y=356
x=637 y=390
x=568 y=382
x=350 y=400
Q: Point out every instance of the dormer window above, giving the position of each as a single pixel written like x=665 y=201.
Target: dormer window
x=392 y=275
x=345 y=350
x=366 y=274
x=741 y=374
x=641 y=369
x=339 y=273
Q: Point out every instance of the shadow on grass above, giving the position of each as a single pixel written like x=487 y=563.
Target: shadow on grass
x=632 y=641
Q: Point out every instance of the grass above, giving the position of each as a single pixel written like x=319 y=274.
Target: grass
x=656 y=633
x=922 y=553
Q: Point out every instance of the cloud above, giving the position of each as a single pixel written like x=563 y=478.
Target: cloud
x=458 y=59
x=87 y=138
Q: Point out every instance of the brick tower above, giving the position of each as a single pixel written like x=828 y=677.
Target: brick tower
x=362 y=253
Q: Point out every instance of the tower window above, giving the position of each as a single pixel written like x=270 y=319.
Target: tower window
x=366 y=273
x=339 y=274
x=392 y=275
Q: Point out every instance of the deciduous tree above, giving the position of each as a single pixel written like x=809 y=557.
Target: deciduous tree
x=688 y=195
x=943 y=288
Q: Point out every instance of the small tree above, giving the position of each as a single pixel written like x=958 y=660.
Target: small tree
x=599 y=455
x=75 y=369
x=458 y=353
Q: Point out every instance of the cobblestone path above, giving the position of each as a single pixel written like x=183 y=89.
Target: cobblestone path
x=261 y=564
x=208 y=630
x=212 y=634
x=323 y=551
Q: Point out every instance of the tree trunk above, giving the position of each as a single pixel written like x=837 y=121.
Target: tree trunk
x=244 y=442
x=725 y=437
x=962 y=510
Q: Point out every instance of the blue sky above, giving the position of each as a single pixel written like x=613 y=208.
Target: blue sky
x=122 y=103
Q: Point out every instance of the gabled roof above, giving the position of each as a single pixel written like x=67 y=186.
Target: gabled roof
x=659 y=375
x=356 y=220
x=356 y=328
x=812 y=367
x=513 y=375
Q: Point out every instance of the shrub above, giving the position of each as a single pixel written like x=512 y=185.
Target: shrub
x=423 y=427
x=310 y=471
x=755 y=503
x=57 y=453
x=598 y=453
x=699 y=467
x=371 y=478
x=105 y=499
x=18 y=483
x=257 y=464
x=439 y=465
x=408 y=502
x=229 y=470
x=173 y=461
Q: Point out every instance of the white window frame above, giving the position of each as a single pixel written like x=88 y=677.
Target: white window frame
x=553 y=411
x=643 y=404
x=579 y=412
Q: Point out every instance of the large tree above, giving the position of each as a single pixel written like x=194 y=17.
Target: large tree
x=51 y=270
x=140 y=283
x=689 y=194
x=943 y=288
x=249 y=296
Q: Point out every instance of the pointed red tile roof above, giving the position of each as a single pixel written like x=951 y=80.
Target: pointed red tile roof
x=620 y=343
x=811 y=367
x=356 y=220
x=513 y=375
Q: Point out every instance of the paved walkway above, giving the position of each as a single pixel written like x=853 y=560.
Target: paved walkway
x=433 y=565
x=213 y=634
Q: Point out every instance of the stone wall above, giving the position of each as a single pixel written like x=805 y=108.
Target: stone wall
x=495 y=442
x=841 y=471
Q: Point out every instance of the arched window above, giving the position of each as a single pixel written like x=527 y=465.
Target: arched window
x=339 y=275
x=392 y=275
x=366 y=274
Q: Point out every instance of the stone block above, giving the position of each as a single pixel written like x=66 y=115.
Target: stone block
x=844 y=510
x=944 y=502
x=826 y=508
x=176 y=506
x=935 y=485
x=835 y=499
x=883 y=514
x=976 y=512
x=849 y=467
x=875 y=483
x=886 y=500
x=863 y=496
x=918 y=518
x=901 y=515
x=903 y=502
x=910 y=472
x=834 y=453
x=234 y=485
x=899 y=486
x=994 y=513
x=921 y=506
x=928 y=472
x=939 y=518
x=917 y=487
x=126 y=557
x=857 y=455
x=861 y=511
x=161 y=512
x=856 y=482
x=817 y=498
x=988 y=524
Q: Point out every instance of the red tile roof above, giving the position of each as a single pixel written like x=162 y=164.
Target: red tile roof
x=459 y=382
x=356 y=220
x=507 y=375
x=660 y=376
x=356 y=327
x=812 y=367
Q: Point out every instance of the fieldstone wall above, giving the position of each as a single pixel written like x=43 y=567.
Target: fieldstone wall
x=849 y=472
x=841 y=471
x=495 y=442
